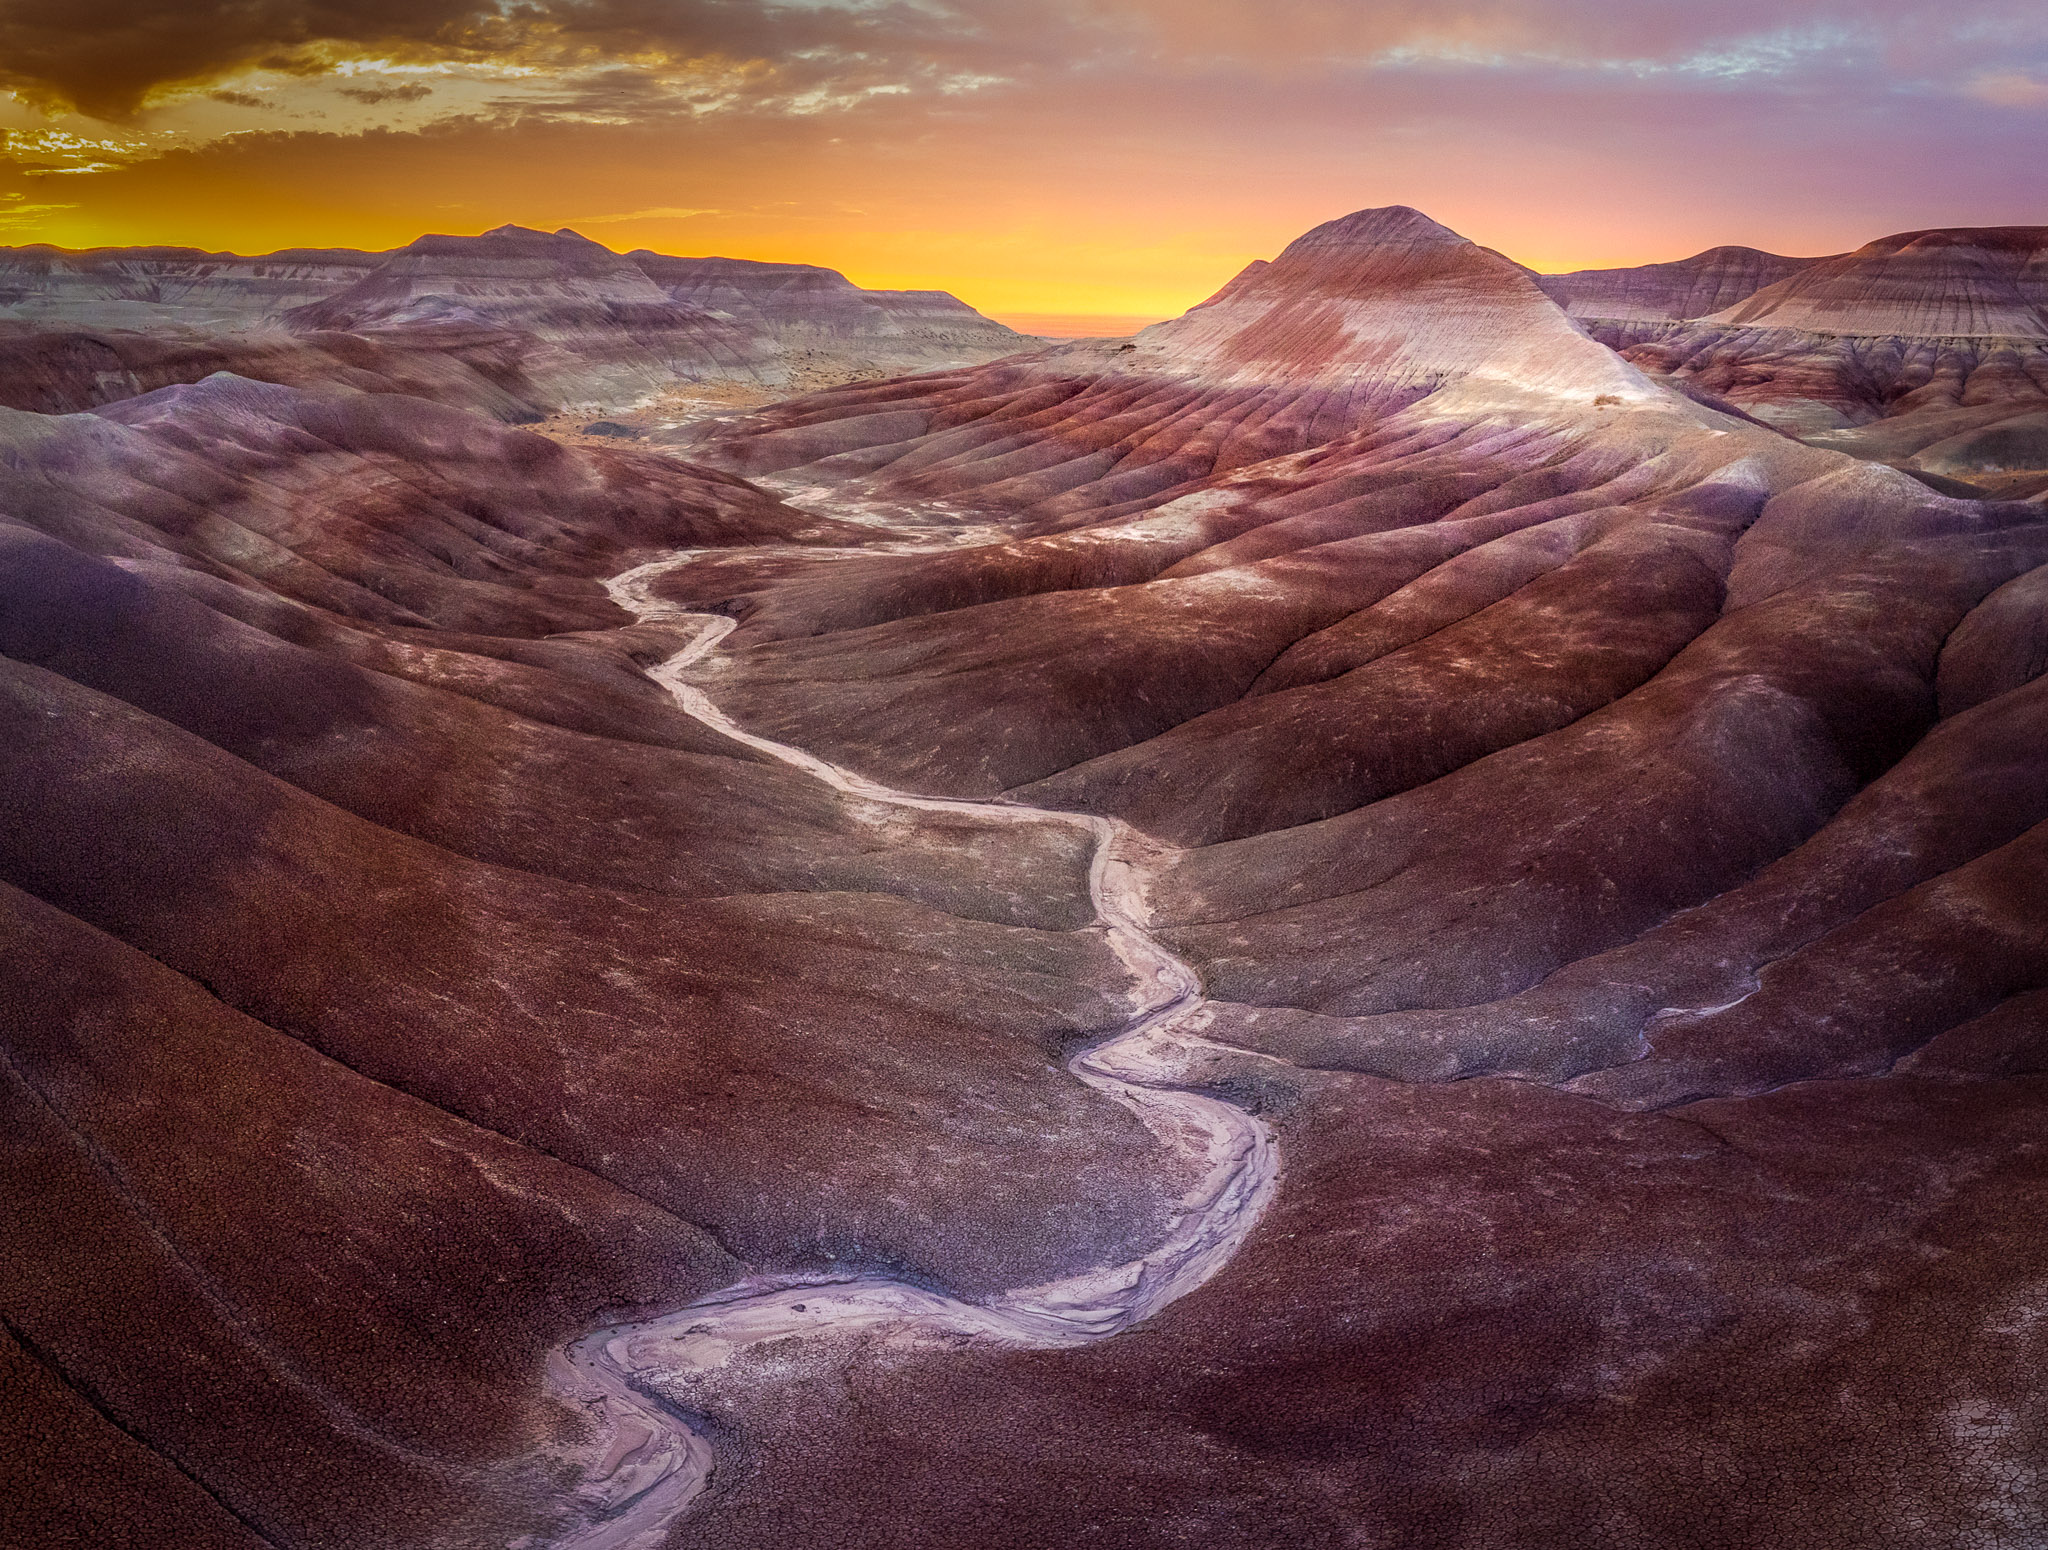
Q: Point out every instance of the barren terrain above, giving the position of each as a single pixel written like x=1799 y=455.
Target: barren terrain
x=1402 y=911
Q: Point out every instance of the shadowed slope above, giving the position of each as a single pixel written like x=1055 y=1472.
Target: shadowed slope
x=1608 y=832
x=396 y=986
x=69 y=370
x=1507 y=733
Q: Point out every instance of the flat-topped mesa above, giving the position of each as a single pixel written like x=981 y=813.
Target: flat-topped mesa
x=1673 y=292
x=111 y=287
x=1393 y=306
x=514 y=320
x=509 y=274
x=1963 y=283
x=586 y=324
x=806 y=305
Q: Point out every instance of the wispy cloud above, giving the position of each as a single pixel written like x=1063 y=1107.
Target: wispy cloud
x=17 y=210
x=658 y=213
x=2010 y=89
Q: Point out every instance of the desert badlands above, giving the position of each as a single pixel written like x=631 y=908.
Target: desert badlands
x=661 y=902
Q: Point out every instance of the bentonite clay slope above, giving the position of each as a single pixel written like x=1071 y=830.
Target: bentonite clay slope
x=514 y=322
x=1927 y=350
x=1690 y=288
x=1607 y=837
x=821 y=319
x=1322 y=671
x=144 y=287
x=1607 y=833
x=398 y=986
x=594 y=328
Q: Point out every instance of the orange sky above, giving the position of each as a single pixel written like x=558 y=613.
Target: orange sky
x=1036 y=157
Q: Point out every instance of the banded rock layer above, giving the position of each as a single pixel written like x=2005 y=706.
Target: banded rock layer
x=396 y=986
x=1927 y=350
x=546 y=321
x=1608 y=830
x=146 y=287
x=1693 y=287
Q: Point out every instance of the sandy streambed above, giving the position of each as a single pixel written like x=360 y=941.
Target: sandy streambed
x=649 y=1461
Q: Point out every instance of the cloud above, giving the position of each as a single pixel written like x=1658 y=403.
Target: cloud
x=104 y=56
x=410 y=91
x=16 y=211
x=658 y=213
x=2010 y=89
x=107 y=56
x=237 y=99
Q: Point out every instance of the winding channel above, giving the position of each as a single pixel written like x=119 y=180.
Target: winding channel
x=649 y=1462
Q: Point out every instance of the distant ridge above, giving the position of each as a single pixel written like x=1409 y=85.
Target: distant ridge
x=549 y=319
x=1690 y=288
x=1926 y=349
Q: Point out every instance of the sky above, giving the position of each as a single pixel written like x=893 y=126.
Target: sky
x=1068 y=158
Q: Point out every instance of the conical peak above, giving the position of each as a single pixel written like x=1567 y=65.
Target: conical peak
x=1395 y=226
x=1395 y=252
x=1388 y=302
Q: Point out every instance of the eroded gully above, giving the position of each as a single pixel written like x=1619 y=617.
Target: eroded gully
x=649 y=1462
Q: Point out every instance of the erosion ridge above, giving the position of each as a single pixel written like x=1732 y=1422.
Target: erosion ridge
x=513 y=322
x=341 y=815
x=1605 y=830
x=1927 y=350
x=1552 y=759
x=651 y=1464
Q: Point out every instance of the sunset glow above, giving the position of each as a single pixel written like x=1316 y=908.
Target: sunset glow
x=1051 y=158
